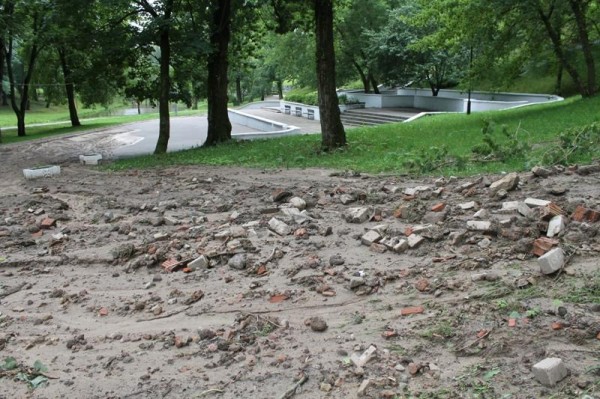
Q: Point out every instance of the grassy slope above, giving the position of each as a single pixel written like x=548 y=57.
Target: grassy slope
x=386 y=148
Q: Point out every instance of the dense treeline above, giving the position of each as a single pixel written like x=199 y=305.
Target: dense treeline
x=234 y=50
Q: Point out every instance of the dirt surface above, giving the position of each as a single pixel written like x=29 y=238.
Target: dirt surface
x=85 y=290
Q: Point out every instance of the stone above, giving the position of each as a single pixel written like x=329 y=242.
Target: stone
x=536 y=203
x=508 y=183
x=370 y=237
x=358 y=215
x=362 y=389
x=552 y=261
x=467 y=205
x=356 y=282
x=298 y=203
x=160 y=236
x=280 y=195
x=479 y=225
x=556 y=226
x=365 y=357
x=401 y=246
x=550 y=371
x=346 y=199
x=481 y=214
x=422 y=285
x=336 y=260
x=510 y=206
x=391 y=189
x=238 y=261
x=434 y=217
x=541 y=172
x=415 y=240
x=379 y=248
x=317 y=324
x=524 y=210
x=279 y=227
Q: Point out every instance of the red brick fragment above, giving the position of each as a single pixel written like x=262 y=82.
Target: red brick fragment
x=412 y=310
x=512 y=322
x=438 y=207
x=171 y=264
x=583 y=214
x=48 y=223
x=543 y=245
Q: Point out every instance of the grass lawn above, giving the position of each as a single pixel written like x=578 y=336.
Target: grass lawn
x=387 y=148
x=59 y=118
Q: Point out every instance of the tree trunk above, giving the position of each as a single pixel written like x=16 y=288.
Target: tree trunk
x=559 y=76
x=164 y=131
x=586 y=47
x=373 y=83
x=332 y=131
x=20 y=108
x=280 y=88
x=559 y=53
x=139 y=107
x=69 y=88
x=219 y=126
x=363 y=77
x=238 y=89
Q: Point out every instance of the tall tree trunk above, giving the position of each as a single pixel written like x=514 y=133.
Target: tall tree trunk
x=586 y=47
x=164 y=130
x=332 y=131
x=139 y=107
x=219 y=126
x=559 y=52
x=238 y=89
x=373 y=83
x=559 y=76
x=280 y=88
x=69 y=87
x=20 y=108
x=363 y=78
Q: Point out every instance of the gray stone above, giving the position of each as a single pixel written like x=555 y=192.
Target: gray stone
x=401 y=246
x=510 y=206
x=346 y=199
x=279 y=227
x=200 y=262
x=551 y=261
x=336 y=260
x=481 y=214
x=415 y=240
x=358 y=215
x=370 y=237
x=524 y=210
x=467 y=205
x=550 y=371
x=479 y=225
x=297 y=203
x=541 y=172
x=508 y=183
x=356 y=282
x=238 y=261
x=556 y=226
x=536 y=203
x=434 y=217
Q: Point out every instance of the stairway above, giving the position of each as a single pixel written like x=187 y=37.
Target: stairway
x=361 y=117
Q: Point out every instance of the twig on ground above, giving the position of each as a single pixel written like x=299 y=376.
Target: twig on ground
x=292 y=391
x=165 y=315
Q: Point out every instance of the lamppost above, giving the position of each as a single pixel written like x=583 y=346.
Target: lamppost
x=469 y=95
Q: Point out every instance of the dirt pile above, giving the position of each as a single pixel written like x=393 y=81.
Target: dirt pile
x=223 y=282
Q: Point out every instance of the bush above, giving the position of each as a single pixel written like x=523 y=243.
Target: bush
x=305 y=95
x=573 y=144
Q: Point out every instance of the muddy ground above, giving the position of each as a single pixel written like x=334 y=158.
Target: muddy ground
x=85 y=290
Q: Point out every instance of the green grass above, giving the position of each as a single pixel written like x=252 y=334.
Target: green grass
x=59 y=118
x=384 y=149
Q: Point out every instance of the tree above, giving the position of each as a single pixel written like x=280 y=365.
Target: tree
x=332 y=131
x=219 y=126
x=22 y=50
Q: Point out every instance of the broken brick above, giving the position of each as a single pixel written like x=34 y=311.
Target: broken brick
x=47 y=223
x=543 y=245
x=583 y=214
x=412 y=310
x=171 y=264
x=438 y=207
x=512 y=322
x=549 y=211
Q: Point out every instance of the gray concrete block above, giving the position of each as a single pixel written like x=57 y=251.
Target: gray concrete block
x=550 y=371
x=552 y=261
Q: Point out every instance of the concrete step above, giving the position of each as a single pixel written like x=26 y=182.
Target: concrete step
x=383 y=117
x=362 y=119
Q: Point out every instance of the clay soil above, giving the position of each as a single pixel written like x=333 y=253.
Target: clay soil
x=88 y=296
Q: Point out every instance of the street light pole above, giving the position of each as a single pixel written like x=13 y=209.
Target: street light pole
x=470 y=66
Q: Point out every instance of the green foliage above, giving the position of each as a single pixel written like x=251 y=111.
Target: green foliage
x=573 y=144
x=432 y=159
x=499 y=147
x=305 y=95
